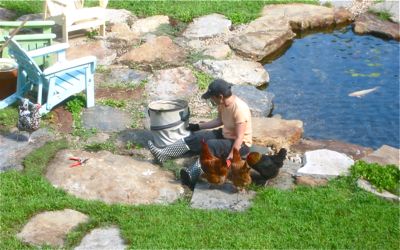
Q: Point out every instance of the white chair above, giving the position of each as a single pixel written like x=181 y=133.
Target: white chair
x=71 y=15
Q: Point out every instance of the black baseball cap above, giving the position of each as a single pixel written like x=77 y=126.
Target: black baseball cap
x=218 y=87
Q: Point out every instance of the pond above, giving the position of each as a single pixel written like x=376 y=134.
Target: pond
x=313 y=79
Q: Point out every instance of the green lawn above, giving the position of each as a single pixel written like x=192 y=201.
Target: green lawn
x=337 y=216
x=236 y=10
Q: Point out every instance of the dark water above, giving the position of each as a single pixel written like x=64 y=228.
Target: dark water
x=313 y=79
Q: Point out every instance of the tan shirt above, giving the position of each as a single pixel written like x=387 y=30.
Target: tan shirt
x=237 y=112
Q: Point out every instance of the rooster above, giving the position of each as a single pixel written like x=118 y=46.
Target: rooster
x=267 y=166
x=240 y=173
x=215 y=169
x=28 y=119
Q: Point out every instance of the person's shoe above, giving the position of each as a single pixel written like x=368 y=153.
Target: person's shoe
x=175 y=149
x=190 y=175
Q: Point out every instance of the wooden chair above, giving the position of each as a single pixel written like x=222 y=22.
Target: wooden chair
x=42 y=38
x=55 y=83
x=71 y=15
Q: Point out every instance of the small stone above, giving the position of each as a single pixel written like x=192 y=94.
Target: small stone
x=102 y=239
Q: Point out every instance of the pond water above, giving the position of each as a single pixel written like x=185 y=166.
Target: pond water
x=313 y=79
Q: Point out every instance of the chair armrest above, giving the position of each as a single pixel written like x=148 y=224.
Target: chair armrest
x=48 y=50
x=58 y=67
x=28 y=24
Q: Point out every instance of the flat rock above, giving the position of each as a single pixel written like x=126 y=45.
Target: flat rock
x=277 y=133
x=149 y=24
x=262 y=37
x=235 y=71
x=207 y=26
x=113 y=179
x=14 y=147
x=384 y=155
x=370 y=188
x=7 y=15
x=102 y=239
x=224 y=197
x=218 y=51
x=370 y=24
x=160 y=50
x=119 y=16
x=120 y=75
x=355 y=151
x=301 y=16
x=106 y=119
x=95 y=48
x=51 y=228
x=169 y=84
x=260 y=101
x=120 y=35
x=311 y=181
x=326 y=164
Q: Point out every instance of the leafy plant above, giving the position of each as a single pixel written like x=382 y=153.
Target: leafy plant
x=113 y=103
x=382 y=177
x=203 y=79
x=383 y=14
x=91 y=34
x=94 y=147
x=131 y=145
x=75 y=106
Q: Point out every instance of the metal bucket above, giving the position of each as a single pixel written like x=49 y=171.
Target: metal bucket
x=168 y=121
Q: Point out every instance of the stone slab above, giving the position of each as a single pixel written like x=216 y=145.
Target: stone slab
x=51 y=228
x=113 y=179
x=208 y=26
x=102 y=239
x=14 y=147
x=368 y=187
x=106 y=119
x=260 y=102
x=225 y=197
x=325 y=163
x=384 y=155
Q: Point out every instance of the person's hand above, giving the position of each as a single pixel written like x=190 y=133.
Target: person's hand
x=193 y=127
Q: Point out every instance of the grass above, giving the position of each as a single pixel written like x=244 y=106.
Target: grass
x=336 y=216
x=8 y=118
x=236 y=10
x=383 y=14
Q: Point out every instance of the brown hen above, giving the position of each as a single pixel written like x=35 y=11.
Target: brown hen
x=215 y=169
x=240 y=171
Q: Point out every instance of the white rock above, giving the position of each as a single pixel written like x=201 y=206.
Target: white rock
x=208 y=26
x=326 y=163
x=149 y=24
x=102 y=239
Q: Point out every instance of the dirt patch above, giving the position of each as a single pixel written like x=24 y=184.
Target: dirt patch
x=119 y=93
x=63 y=119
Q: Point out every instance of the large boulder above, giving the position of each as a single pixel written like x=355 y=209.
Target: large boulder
x=149 y=24
x=277 y=133
x=97 y=48
x=113 y=179
x=370 y=24
x=235 y=71
x=208 y=26
x=259 y=101
x=161 y=50
x=169 y=84
x=384 y=155
x=262 y=37
x=51 y=228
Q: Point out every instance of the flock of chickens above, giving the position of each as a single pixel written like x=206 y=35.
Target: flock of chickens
x=217 y=170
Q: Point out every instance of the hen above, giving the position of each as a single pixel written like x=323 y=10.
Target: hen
x=215 y=169
x=28 y=119
x=267 y=166
x=240 y=171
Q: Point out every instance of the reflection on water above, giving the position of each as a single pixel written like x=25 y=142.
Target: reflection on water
x=313 y=79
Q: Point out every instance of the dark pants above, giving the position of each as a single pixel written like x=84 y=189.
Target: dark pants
x=218 y=145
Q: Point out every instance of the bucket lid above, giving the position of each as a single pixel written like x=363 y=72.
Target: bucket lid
x=168 y=105
x=7 y=64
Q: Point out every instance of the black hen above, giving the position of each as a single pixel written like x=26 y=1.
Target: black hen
x=28 y=119
x=267 y=166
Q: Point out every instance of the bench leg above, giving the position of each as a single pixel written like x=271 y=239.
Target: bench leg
x=89 y=88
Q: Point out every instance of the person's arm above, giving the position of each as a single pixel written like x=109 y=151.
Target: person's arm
x=240 y=129
x=211 y=124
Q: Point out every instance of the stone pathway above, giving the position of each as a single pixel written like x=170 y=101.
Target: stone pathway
x=14 y=147
x=102 y=239
x=106 y=119
x=113 y=178
x=51 y=228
